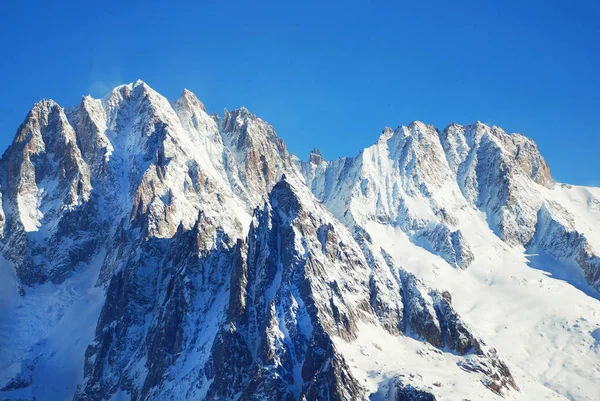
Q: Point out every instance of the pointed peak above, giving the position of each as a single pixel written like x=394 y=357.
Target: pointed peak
x=454 y=126
x=284 y=197
x=87 y=102
x=478 y=124
x=419 y=125
x=292 y=185
x=236 y=122
x=498 y=130
x=118 y=92
x=88 y=106
x=315 y=156
x=144 y=88
x=188 y=95
x=287 y=183
x=386 y=134
x=137 y=91
x=138 y=87
x=44 y=104
x=399 y=128
x=38 y=116
x=189 y=99
x=243 y=113
x=41 y=109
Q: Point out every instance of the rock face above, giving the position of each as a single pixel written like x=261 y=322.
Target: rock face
x=494 y=170
x=556 y=233
x=296 y=281
x=188 y=256
x=260 y=156
x=46 y=179
x=409 y=393
x=419 y=180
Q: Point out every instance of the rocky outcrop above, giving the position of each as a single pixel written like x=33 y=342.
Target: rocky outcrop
x=269 y=342
x=261 y=157
x=429 y=315
x=556 y=234
x=47 y=186
x=406 y=392
x=450 y=245
x=493 y=170
x=44 y=166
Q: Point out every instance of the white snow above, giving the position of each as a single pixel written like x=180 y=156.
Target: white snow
x=376 y=358
x=47 y=331
x=175 y=162
x=540 y=325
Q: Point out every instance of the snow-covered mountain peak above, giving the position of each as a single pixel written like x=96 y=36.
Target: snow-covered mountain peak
x=386 y=134
x=261 y=155
x=189 y=99
x=421 y=126
x=39 y=114
x=290 y=195
x=44 y=163
x=191 y=256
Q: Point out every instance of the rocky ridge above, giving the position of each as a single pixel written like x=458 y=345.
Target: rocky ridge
x=222 y=267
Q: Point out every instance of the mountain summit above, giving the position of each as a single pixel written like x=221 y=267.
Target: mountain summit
x=149 y=251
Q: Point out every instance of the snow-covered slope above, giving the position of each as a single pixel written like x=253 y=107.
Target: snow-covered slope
x=420 y=180
x=530 y=244
x=150 y=251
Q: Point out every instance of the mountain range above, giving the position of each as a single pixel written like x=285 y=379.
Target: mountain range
x=150 y=251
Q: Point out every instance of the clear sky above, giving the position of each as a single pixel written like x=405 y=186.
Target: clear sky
x=326 y=75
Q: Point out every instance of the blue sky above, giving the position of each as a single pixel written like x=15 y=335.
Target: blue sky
x=326 y=75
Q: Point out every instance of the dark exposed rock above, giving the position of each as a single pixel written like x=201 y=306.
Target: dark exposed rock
x=316 y=157
x=406 y=392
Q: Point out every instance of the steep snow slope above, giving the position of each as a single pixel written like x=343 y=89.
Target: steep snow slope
x=45 y=332
x=417 y=180
x=150 y=251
